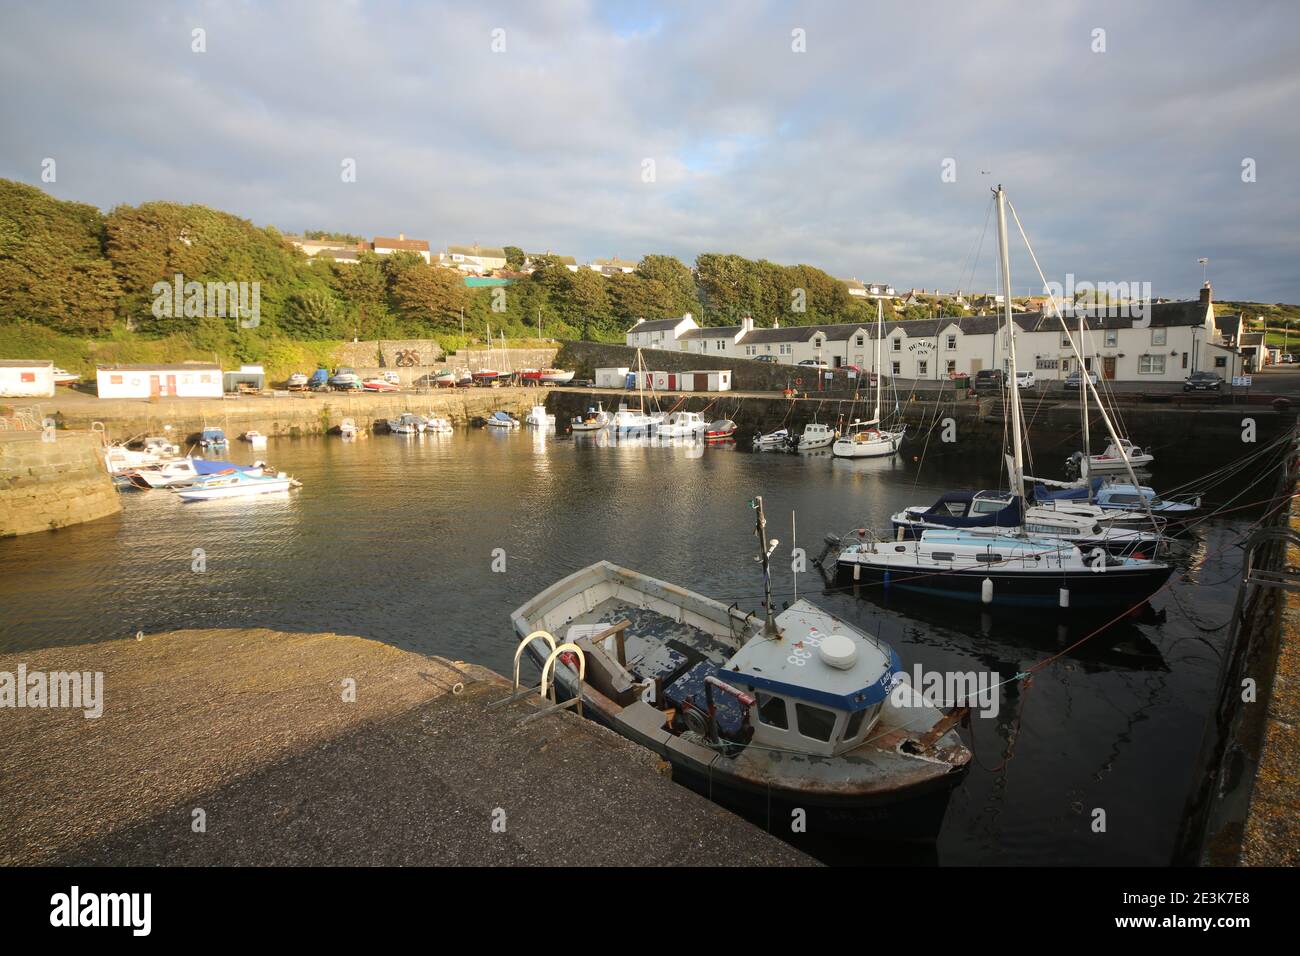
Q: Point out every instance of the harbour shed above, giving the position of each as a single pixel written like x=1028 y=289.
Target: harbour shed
x=26 y=378
x=611 y=377
x=187 y=380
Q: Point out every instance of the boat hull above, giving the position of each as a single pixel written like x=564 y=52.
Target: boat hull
x=1114 y=587
x=235 y=491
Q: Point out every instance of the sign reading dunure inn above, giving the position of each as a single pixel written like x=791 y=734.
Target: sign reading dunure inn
x=924 y=345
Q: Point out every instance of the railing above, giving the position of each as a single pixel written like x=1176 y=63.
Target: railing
x=546 y=689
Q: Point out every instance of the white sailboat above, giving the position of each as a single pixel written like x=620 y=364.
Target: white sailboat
x=867 y=439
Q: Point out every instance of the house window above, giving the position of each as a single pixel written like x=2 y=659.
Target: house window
x=205 y=379
x=952 y=366
x=1112 y=338
x=897 y=367
x=1158 y=336
x=1184 y=360
x=751 y=350
x=861 y=341
x=952 y=342
x=1151 y=365
x=771 y=711
x=1045 y=364
x=921 y=366
x=1221 y=361
x=896 y=345
x=115 y=380
x=815 y=723
x=721 y=345
x=704 y=345
x=1065 y=340
x=783 y=349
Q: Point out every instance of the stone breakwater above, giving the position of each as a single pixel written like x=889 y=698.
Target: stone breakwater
x=46 y=485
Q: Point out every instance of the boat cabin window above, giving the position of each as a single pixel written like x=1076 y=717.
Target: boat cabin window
x=989 y=558
x=815 y=723
x=939 y=556
x=1125 y=499
x=771 y=711
x=855 y=724
x=988 y=507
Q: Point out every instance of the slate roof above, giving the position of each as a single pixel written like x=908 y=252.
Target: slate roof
x=657 y=325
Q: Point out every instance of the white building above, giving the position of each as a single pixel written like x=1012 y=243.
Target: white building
x=385 y=246
x=340 y=249
x=659 y=333
x=473 y=258
x=23 y=378
x=1166 y=343
x=611 y=266
x=187 y=380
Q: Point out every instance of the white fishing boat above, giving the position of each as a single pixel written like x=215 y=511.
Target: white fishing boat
x=869 y=439
x=539 y=417
x=161 y=446
x=631 y=421
x=119 y=459
x=815 y=435
x=348 y=428
x=502 y=420
x=772 y=441
x=1116 y=459
x=436 y=425
x=236 y=484
x=406 y=424
x=298 y=382
x=682 y=425
x=254 y=438
x=797 y=710
x=596 y=419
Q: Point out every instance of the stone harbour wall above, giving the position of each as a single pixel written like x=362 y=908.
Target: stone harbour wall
x=49 y=485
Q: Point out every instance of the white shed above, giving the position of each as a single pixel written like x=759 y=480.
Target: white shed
x=21 y=378
x=711 y=380
x=187 y=380
x=611 y=377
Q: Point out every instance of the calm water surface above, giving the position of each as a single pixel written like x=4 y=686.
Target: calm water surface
x=392 y=538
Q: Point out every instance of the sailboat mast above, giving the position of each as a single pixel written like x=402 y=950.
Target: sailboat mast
x=1018 y=467
x=880 y=331
x=764 y=553
x=1083 y=395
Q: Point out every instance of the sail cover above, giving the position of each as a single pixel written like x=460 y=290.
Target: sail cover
x=1043 y=493
x=941 y=513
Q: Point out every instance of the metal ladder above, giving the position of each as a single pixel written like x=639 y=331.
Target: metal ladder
x=546 y=689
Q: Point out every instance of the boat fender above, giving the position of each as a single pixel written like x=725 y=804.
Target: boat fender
x=857 y=574
x=986 y=590
x=1065 y=597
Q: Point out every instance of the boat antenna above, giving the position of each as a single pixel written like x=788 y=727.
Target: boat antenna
x=765 y=550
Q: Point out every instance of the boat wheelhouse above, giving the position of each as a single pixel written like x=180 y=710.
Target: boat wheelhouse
x=213 y=438
x=815 y=435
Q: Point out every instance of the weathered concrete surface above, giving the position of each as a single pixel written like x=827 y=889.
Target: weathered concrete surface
x=45 y=486
x=1272 y=831
x=251 y=727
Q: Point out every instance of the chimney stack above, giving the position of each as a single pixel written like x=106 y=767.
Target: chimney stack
x=1206 y=293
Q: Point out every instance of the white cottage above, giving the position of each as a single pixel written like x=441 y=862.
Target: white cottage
x=187 y=380
x=26 y=378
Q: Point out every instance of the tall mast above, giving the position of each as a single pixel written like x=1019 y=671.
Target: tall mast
x=1083 y=394
x=764 y=552
x=1017 y=437
x=880 y=331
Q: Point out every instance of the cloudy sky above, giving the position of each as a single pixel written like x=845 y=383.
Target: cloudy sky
x=1124 y=164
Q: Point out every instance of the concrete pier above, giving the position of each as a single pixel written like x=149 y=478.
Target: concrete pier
x=47 y=485
x=232 y=747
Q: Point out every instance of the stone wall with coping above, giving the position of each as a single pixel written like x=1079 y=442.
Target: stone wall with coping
x=49 y=485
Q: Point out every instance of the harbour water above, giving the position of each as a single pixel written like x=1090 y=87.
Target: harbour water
x=429 y=543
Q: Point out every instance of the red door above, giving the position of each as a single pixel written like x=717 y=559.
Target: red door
x=171 y=384
x=701 y=381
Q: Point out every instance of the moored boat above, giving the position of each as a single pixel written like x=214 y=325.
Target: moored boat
x=1116 y=459
x=406 y=424
x=235 y=484
x=539 y=417
x=721 y=430
x=798 y=710
x=348 y=428
x=596 y=419
x=815 y=435
x=436 y=425
x=502 y=420
x=682 y=425
x=254 y=438
x=774 y=440
x=213 y=438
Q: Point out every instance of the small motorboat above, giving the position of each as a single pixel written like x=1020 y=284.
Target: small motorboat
x=161 y=446
x=319 y=381
x=1111 y=461
x=721 y=430
x=348 y=428
x=539 y=417
x=235 y=484
x=345 y=380
x=298 y=382
x=486 y=377
x=184 y=471
x=778 y=439
x=464 y=378
x=437 y=426
x=868 y=440
x=760 y=713
x=447 y=378
x=212 y=439
x=1128 y=497
x=596 y=419
x=64 y=377
x=682 y=425
x=120 y=460
x=379 y=385
x=406 y=424
x=502 y=420
x=815 y=435
x=254 y=438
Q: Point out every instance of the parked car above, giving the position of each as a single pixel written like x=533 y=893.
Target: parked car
x=770 y=359
x=814 y=363
x=1075 y=380
x=1202 y=382
x=989 y=379
x=1024 y=379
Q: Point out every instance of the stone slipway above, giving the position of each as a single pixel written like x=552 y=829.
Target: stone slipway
x=250 y=727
